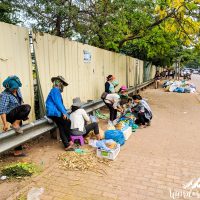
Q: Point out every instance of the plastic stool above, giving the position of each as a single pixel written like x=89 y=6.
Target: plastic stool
x=78 y=137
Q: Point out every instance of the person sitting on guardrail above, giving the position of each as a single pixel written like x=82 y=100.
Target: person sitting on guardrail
x=110 y=84
x=12 y=109
x=56 y=110
x=78 y=118
x=142 y=111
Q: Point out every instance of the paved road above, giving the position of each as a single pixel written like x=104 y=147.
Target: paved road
x=153 y=164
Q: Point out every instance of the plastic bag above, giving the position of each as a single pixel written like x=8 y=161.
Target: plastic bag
x=179 y=90
x=101 y=144
x=135 y=126
x=187 y=90
x=93 y=118
x=34 y=193
x=116 y=135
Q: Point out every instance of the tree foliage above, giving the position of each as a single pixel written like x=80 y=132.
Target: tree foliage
x=7 y=12
x=159 y=47
x=191 y=58
x=57 y=17
x=156 y=31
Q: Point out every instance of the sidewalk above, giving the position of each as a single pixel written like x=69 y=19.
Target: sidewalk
x=154 y=161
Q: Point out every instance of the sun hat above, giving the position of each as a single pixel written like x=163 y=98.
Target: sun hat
x=77 y=102
x=59 y=78
x=123 y=88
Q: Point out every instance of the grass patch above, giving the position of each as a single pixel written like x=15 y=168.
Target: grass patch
x=21 y=169
x=22 y=197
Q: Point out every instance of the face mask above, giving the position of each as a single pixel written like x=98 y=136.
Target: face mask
x=11 y=90
x=61 y=87
x=115 y=83
x=59 y=84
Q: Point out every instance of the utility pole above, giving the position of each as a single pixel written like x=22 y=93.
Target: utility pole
x=136 y=74
x=179 y=66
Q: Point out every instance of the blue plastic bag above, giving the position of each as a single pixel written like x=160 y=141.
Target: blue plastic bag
x=102 y=144
x=179 y=90
x=116 y=135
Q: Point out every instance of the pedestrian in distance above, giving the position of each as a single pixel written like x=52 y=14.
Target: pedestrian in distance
x=157 y=79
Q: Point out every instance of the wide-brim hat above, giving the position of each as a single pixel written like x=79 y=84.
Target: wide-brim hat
x=59 y=78
x=77 y=102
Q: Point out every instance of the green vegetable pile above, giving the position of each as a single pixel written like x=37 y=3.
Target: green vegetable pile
x=100 y=115
x=19 y=170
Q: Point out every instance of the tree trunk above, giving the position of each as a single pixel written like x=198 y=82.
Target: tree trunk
x=58 y=25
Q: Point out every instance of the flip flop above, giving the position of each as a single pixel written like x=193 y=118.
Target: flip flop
x=141 y=127
x=20 y=155
x=70 y=149
x=17 y=130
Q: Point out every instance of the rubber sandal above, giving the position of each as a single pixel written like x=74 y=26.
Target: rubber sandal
x=70 y=149
x=17 y=130
x=148 y=123
x=141 y=127
x=20 y=155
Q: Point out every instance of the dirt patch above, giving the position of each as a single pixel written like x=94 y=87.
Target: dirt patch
x=42 y=151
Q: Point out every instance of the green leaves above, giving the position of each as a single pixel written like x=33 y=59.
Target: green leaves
x=155 y=31
x=19 y=170
x=7 y=12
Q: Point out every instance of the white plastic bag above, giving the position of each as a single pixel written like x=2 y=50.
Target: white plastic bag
x=93 y=143
x=34 y=193
x=93 y=118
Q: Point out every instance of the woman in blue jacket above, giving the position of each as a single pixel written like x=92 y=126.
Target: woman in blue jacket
x=56 y=110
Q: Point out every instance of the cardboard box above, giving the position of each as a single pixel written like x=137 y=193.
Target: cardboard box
x=109 y=155
x=127 y=131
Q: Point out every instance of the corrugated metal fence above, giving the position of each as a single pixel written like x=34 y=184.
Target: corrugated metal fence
x=84 y=67
x=15 y=58
x=56 y=56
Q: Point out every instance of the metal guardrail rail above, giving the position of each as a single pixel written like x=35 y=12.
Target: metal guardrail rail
x=10 y=139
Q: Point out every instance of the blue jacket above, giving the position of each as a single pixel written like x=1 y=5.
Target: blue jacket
x=54 y=104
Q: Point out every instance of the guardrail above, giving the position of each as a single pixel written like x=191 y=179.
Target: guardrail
x=10 y=139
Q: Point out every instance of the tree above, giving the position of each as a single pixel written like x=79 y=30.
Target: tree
x=118 y=22
x=158 y=47
x=156 y=31
x=191 y=58
x=176 y=16
x=7 y=12
x=56 y=17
